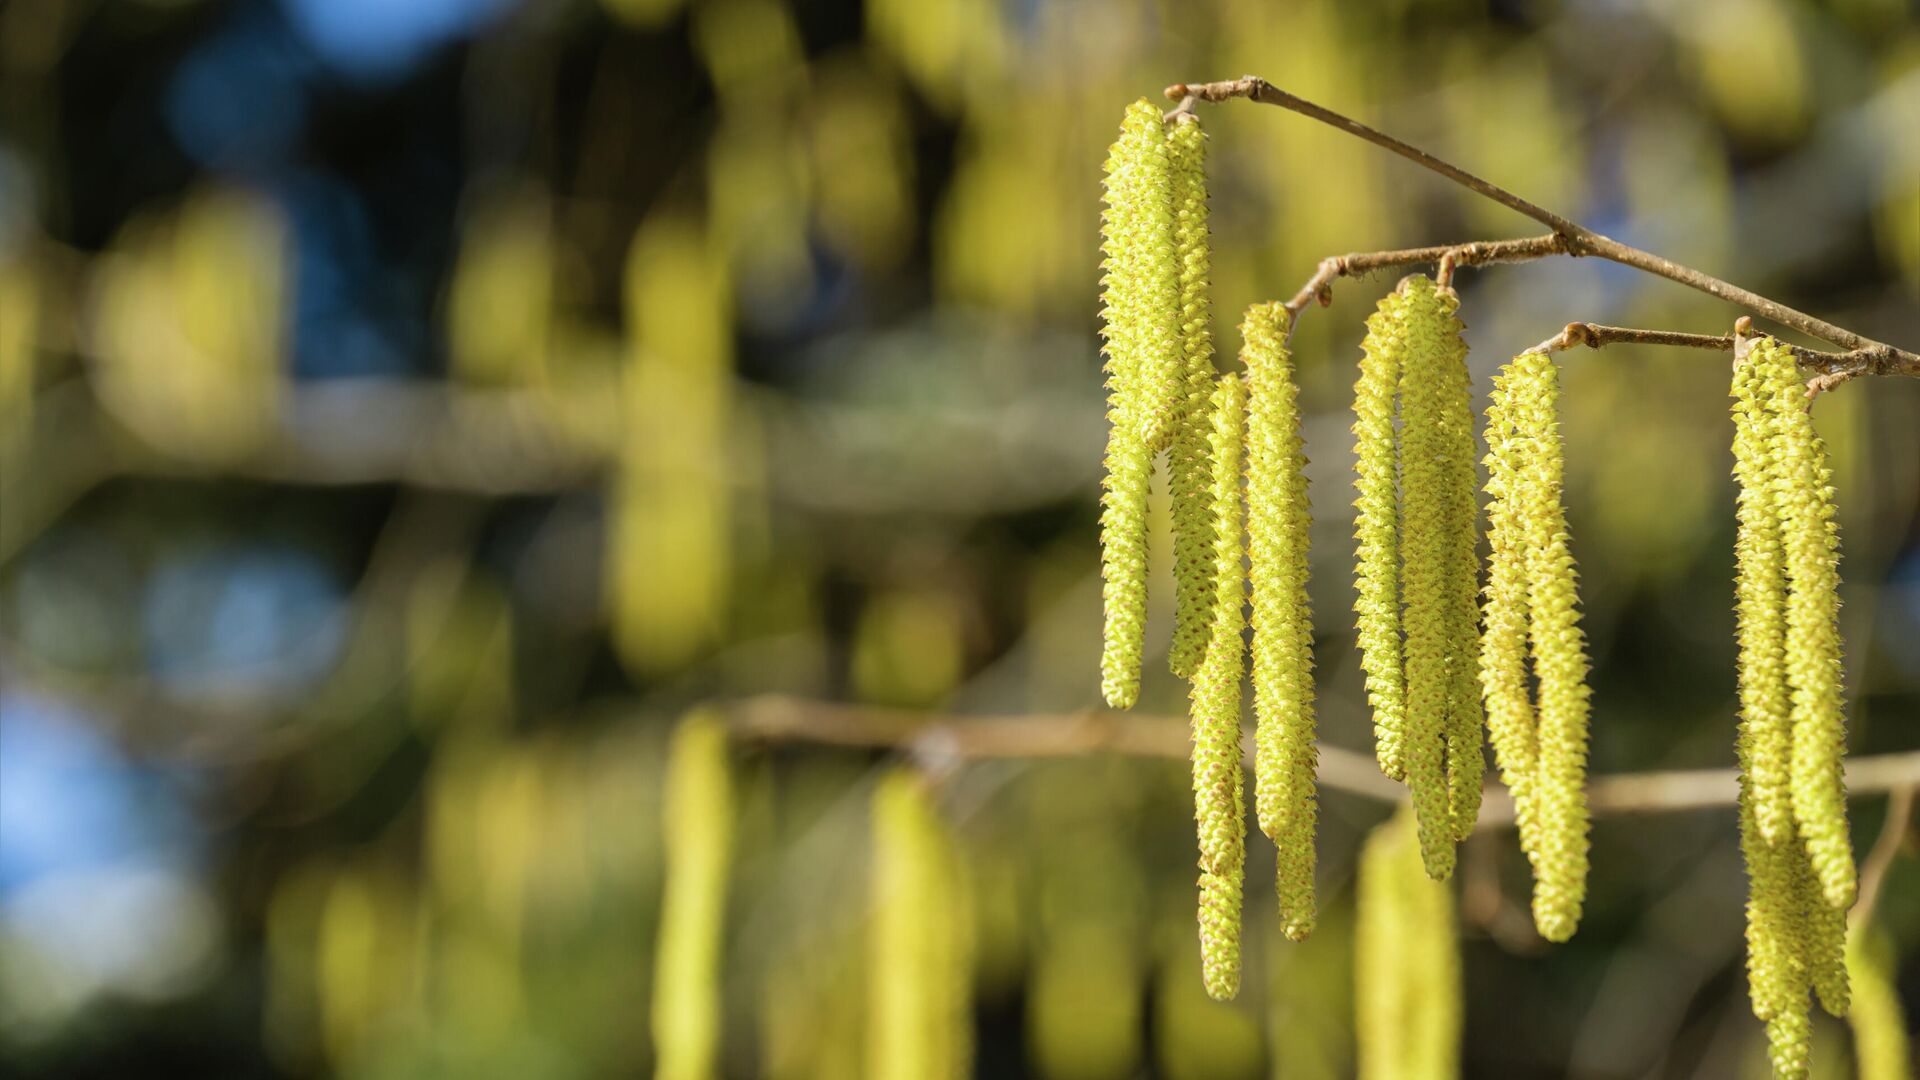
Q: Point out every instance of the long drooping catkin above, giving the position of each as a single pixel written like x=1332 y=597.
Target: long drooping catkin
x=1531 y=595
x=1217 y=799
x=1187 y=457
x=1140 y=315
x=1810 y=543
x=1430 y=561
x=918 y=983
x=1880 y=1039
x=1376 y=530
x=1277 y=534
x=697 y=828
x=1766 y=725
x=1407 y=963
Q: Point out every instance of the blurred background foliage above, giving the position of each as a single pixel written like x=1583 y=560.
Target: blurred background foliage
x=408 y=410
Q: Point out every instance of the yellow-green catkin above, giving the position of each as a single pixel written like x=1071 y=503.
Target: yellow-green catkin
x=1218 y=808
x=1810 y=541
x=1187 y=455
x=1436 y=552
x=1532 y=595
x=1881 y=1048
x=1407 y=1003
x=1559 y=663
x=697 y=831
x=1376 y=530
x=919 y=1021
x=1141 y=313
x=1278 y=521
x=1766 y=725
x=1796 y=936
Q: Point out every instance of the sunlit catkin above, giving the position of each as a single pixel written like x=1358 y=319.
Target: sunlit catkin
x=919 y=1023
x=697 y=826
x=1187 y=456
x=1436 y=544
x=1810 y=542
x=1376 y=529
x=1881 y=1049
x=1407 y=963
x=1140 y=312
x=1503 y=642
x=1217 y=799
x=1558 y=784
x=1766 y=726
x=1277 y=526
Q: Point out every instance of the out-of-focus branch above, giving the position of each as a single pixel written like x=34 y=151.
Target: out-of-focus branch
x=1867 y=355
x=942 y=743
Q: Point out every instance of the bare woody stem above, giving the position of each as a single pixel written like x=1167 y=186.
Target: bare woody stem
x=942 y=743
x=1870 y=356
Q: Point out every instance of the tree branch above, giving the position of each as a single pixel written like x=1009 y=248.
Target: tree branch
x=943 y=743
x=1447 y=256
x=1869 y=356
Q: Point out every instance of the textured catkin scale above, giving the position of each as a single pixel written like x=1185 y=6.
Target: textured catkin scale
x=1187 y=456
x=1803 y=498
x=1278 y=521
x=1766 y=728
x=918 y=994
x=1466 y=763
x=1406 y=964
x=1219 y=810
x=1140 y=314
x=1428 y=560
x=697 y=828
x=1376 y=530
x=1503 y=643
x=1559 y=664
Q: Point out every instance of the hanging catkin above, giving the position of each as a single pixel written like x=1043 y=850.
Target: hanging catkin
x=1407 y=962
x=1187 y=457
x=1880 y=1040
x=1810 y=542
x=1795 y=935
x=1432 y=539
x=918 y=978
x=1217 y=799
x=1140 y=316
x=1277 y=527
x=1376 y=530
x=1531 y=583
x=697 y=826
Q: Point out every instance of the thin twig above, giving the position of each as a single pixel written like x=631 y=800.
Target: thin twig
x=1893 y=833
x=1447 y=256
x=946 y=742
x=1871 y=357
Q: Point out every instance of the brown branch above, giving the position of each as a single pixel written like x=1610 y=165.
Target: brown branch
x=944 y=742
x=1447 y=256
x=1870 y=356
x=1893 y=834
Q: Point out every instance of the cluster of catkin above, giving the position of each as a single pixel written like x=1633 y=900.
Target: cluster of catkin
x=1541 y=746
x=1240 y=514
x=1406 y=962
x=1793 y=814
x=1416 y=532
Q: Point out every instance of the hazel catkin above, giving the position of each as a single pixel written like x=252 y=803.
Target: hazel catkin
x=1217 y=797
x=697 y=829
x=1278 y=520
x=1376 y=530
x=1187 y=454
x=1434 y=534
x=919 y=983
x=1803 y=499
x=1407 y=991
x=1140 y=316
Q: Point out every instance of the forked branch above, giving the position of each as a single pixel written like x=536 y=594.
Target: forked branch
x=1863 y=356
